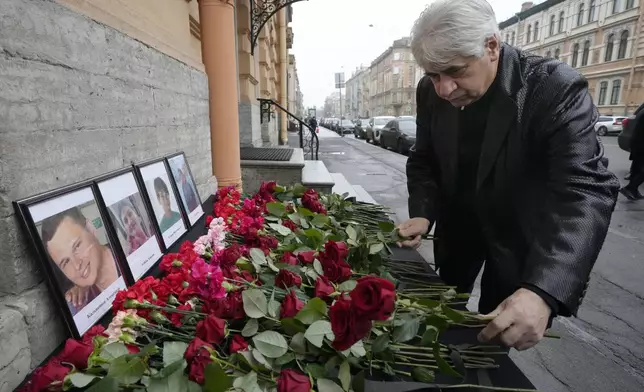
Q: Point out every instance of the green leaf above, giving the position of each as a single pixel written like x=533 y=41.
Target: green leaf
x=316 y=370
x=443 y=366
x=376 y=248
x=381 y=343
x=386 y=227
x=452 y=314
x=292 y=326
x=308 y=316
x=351 y=232
x=326 y=385
x=284 y=359
x=261 y=359
x=429 y=303
x=317 y=266
x=127 y=370
x=430 y=336
x=305 y=212
x=320 y=220
x=276 y=208
x=437 y=321
x=107 y=384
x=81 y=380
x=179 y=365
x=113 y=350
x=358 y=382
x=194 y=387
x=422 y=375
x=176 y=381
x=406 y=331
x=317 y=331
x=314 y=305
x=271 y=344
x=282 y=230
x=251 y=328
x=216 y=379
x=258 y=256
x=247 y=383
x=298 y=343
x=314 y=234
x=173 y=352
x=255 y=304
x=347 y=285
x=344 y=375
x=358 y=349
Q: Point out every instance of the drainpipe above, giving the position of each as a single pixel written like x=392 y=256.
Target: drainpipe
x=634 y=61
x=283 y=75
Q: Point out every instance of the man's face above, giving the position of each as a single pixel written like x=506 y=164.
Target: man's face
x=76 y=251
x=164 y=200
x=465 y=80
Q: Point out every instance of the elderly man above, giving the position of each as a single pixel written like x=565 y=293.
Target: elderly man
x=508 y=166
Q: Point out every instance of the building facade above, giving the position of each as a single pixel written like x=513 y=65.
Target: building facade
x=357 y=93
x=599 y=38
x=295 y=96
x=335 y=105
x=93 y=85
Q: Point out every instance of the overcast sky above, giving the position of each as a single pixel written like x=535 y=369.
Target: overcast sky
x=334 y=35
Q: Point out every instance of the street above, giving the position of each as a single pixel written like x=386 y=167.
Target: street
x=603 y=348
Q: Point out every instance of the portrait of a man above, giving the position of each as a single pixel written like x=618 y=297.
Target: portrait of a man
x=169 y=217
x=185 y=183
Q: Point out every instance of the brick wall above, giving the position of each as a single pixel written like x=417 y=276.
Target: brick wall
x=77 y=99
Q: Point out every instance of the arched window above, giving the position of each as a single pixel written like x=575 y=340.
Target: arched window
x=580 y=15
x=614 y=94
x=591 y=11
x=575 y=55
x=585 y=54
x=536 y=31
x=603 y=88
x=609 y=48
x=528 y=34
x=507 y=37
x=615 y=5
x=561 y=22
x=552 y=25
x=557 y=52
x=623 y=42
x=513 y=37
x=548 y=54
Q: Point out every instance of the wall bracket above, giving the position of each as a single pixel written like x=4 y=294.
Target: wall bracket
x=260 y=12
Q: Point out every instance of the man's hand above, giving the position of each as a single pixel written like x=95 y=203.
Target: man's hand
x=414 y=229
x=520 y=321
x=77 y=296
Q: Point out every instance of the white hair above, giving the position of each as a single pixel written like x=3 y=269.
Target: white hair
x=448 y=29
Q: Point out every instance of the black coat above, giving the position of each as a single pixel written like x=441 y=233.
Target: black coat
x=543 y=198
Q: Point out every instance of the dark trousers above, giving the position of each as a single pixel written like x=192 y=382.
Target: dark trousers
x=637 y=174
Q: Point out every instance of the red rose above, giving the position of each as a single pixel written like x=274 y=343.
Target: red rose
x=196 y=369
x=336 y=250
x=132 y=349
x=238 y=343
x=211 y=329
x=209 y=220
x=268 y=242
x=76 y=353
x=337 y=271
x=306 y=257
x=323 y=288
x=97 y=330
x=290 y=224
x=286 y=279
x=230 y=255
x=290 y=305
x=42 y=378
x=347 y=326
x=288 y=258
x=293 y=381
x=177 y=318
x=374 y=298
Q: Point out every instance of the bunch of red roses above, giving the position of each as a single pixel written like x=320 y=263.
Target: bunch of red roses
x=373 y=299
x=311 y=200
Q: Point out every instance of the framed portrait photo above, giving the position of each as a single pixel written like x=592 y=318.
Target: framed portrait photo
x=69 y=232
x=130 y=220
x=186 y=187
x=163 y=201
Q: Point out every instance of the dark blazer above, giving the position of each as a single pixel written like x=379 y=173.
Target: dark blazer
x=543 y=198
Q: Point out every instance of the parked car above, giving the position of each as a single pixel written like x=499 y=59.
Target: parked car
x=375 y=126
x=609 y=125
x=360 y=131
x=345 y=126
x=628 y=126
x=399 y=135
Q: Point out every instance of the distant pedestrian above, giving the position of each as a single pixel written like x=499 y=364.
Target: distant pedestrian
x=313 y=123
x=631 y=191
x=507 y=164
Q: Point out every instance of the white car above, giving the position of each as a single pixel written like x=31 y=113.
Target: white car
x=375 y=127
x=607 y=125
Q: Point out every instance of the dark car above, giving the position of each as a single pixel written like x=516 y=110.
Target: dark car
x=628 y=126
x=345 y=126
x=360 y=131
x=399 y=135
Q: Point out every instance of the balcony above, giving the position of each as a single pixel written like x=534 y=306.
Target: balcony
x=289 y=38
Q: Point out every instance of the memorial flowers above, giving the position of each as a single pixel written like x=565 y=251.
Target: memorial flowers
x=289 y=290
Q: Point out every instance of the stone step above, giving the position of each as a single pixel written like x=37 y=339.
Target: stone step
x=342 y=186
x=315 y=175
x=284 y=172
x=363 y=195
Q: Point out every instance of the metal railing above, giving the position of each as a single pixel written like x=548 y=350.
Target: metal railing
x=309 y=141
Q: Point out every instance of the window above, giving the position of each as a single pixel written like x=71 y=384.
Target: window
x=507 y=37
x=557 y=52
x=609 y=48
x=396 y=56
x=623 y=42
x=575 y=55
x=536 y=31
x=552 y=25
x=513 y=37
x=580 y=15
x=591 y=11
x=548 y=54
x=615 y=5
x=614 y=94
x=561 y=22
x=603 y=87
x=528 y=34
x=396 y=71
x=630 y=4
x=585 y=54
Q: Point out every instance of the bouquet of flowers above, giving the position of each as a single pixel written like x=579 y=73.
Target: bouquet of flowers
x=288 y=290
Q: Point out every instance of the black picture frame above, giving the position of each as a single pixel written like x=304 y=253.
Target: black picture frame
x=148 y=253
x=167 y=239
x=194 y=214
x=78 y=321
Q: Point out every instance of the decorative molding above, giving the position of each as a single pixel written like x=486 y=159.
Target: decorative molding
x=261 y=12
